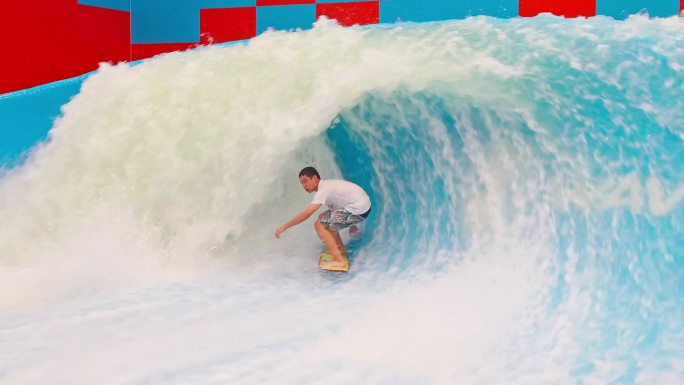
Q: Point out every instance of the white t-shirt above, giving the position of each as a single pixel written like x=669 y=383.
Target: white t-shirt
x=339 y=194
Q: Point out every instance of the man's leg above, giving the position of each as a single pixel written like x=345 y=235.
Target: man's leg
x=338 y=240
x=354 y=230
x=328 y=240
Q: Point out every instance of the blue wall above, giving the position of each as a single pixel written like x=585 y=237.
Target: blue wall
x=27 y=116
x=392 y=11
x=622 y=9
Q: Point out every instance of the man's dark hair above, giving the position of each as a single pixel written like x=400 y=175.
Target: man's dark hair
x=310 y=172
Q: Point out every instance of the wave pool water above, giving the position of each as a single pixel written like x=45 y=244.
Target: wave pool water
x=527 y=177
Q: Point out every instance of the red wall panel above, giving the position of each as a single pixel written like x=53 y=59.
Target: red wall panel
x=227 y=24
x=577 y=8
x=58 y=39
x=143 y=51
x=350 y=13
x=284 y=2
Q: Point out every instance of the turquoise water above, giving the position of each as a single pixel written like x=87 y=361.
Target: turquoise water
x=527 y=179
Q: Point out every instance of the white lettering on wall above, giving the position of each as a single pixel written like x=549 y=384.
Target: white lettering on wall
x=658 y=203
x=627 y=191
x=622 y=192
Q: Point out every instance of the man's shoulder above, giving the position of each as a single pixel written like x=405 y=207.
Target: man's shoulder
x=333 y=183
x=341 y=186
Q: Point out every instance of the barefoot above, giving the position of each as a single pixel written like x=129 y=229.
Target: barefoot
x=336 y=263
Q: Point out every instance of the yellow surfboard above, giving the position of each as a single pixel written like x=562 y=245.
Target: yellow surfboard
x=326 y=258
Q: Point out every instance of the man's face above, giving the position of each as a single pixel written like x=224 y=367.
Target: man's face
x=310 y=184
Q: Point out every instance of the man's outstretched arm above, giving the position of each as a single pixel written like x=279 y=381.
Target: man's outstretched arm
x=299 y=218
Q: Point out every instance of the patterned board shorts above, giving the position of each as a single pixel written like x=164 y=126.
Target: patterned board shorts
x=339 y=219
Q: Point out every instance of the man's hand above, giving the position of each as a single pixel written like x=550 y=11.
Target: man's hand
x=280 y=231
x=299 y=218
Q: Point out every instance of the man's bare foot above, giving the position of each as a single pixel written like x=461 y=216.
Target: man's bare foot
x=336 y=263
x=330 y=261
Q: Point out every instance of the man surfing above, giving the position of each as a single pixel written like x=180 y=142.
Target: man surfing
x=348 y=204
